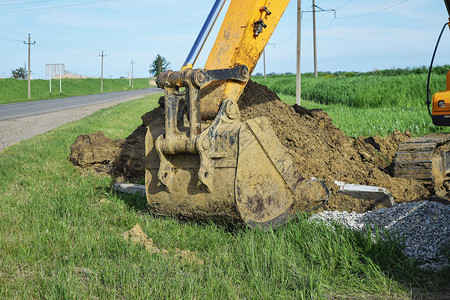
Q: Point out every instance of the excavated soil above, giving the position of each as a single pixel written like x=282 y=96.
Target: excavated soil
x=317 y=147
x=95 y=151
x=138 y=237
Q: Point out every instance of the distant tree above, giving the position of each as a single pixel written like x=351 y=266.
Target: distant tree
x=19 y=73
x=259 y=74
x=159 y=65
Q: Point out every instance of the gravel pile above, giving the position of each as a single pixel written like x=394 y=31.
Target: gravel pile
x=422 y=227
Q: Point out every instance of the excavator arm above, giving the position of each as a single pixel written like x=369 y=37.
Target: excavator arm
x=447 y=4
x=245 y=32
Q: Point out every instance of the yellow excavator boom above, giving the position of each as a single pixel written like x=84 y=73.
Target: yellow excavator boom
x=245 y=32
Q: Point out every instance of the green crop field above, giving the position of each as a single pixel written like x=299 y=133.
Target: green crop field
x=372 y=103
x=60 y=238
x=16 y=90
x=388 y=88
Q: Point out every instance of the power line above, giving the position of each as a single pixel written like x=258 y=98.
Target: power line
x=308 y=19
x=320 y=9
x=23 y=3
x=88 y=52
x=10 y=30
x=118 y=60
x=46 y=44
x=9 y=39
x=56 y=50
x=347 y=3
x=50 y=7
x=375 y=11
x=19 y=1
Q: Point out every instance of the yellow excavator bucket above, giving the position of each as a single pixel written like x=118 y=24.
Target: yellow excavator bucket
x=241 y=174
x=203 y=162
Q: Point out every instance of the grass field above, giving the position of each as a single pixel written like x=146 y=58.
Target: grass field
x=372 y=103
x=375 y=120
x=16 y=90
x=61 y=228
x=401 y=88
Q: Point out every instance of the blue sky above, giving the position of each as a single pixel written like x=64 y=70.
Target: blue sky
x=365 y=35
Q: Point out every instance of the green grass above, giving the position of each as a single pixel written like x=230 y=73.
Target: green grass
x=370 y=103
x=59 y=240
x=16 y=90
x=363 y=91
x=375 y=121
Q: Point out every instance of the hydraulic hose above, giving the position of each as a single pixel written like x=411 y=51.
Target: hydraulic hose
x=203 y=35
x=431 y=67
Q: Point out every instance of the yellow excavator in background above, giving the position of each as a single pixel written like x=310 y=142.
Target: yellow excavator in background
x=205 y=162
x=427 y=158
x=440 y=112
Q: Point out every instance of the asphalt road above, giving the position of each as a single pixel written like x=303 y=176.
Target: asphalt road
x=20 y=121
x=31 y=108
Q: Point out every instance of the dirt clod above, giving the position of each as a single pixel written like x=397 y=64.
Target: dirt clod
x=138 y=236
x=187 y=257
x=317 y=147
x=95 y=151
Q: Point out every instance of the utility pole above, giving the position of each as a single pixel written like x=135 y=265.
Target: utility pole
x=264 y=61
x=314 y=31
x=298 y=90
x=314 y=37
x=60 y=79
x=29 y=60
x=264 y=57
x=132 y=73
x=101 y=85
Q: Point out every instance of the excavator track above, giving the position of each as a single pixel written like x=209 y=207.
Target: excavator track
x=425 y=158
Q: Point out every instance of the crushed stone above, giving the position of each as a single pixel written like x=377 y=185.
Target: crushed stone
x=421 y=227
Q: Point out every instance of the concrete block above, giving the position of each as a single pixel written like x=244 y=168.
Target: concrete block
x=367 y=192
x=130 y=188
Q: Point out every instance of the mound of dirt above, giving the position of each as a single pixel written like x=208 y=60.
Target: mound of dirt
x=317 y=147
x=95 y=151
x=137 y=236
x=321 y=150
